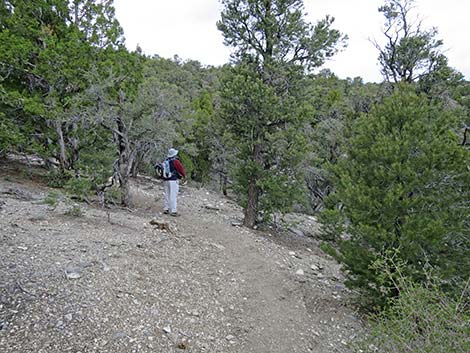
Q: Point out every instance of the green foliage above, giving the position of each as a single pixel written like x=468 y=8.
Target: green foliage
x=261 y=112
x=278 y=194
x=403 y=184
x=52 y=199
x=281 y=33
x=10 y=135
x=57 y=178
x=202 y=134
x=97 y=156
x=79 y=187
x=411 y=54
x=48 y=49
x=332 y=105
x=113 y=195
x=264 y=129
x=422 y=319
x=332 y=220
x=328 y=249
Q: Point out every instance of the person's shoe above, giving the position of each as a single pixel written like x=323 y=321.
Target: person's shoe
x=174 y=214
x=166 y=211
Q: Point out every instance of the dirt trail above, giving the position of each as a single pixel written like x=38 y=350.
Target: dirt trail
x=84 y=284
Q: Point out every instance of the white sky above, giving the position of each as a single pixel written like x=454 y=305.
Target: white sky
x=187 y=28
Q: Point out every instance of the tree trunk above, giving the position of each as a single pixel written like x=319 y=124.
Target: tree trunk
x=74 y=145
x=62 y=151
x=136 y=162
x=251 y=210
x=126 y=198
x=223 y=182
x=124 y=160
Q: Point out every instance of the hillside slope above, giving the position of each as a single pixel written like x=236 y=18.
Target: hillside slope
x=119 y=284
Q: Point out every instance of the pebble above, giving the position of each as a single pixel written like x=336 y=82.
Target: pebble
x=167 y=329
x=300 y=272
x=72 y=273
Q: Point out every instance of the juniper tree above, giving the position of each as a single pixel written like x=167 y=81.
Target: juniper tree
x=47 y=47
x=403 y=185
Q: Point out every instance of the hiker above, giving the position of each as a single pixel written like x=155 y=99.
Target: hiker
x=173 y=170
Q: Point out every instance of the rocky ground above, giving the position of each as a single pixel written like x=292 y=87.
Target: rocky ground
x=110 y=281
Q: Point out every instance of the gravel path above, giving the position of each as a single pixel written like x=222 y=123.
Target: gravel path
x=110 y=281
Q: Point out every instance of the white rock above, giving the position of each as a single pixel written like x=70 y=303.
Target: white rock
x=314 y=267
x=73 y=275
x=230 y=338
x=167 y=329
x=300 y=272
x=291 y=253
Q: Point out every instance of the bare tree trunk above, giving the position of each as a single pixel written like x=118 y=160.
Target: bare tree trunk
x=135 y=167
x=251 y=210
x=126 y=198
x=74 y=143
x=62 y=151
x=136 y=162
x=123 y=166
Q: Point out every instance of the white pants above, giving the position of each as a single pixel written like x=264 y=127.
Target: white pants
x=170 y=194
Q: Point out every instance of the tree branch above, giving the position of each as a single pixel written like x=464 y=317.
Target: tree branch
x=466 y=129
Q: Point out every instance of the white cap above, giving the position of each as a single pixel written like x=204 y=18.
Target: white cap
x=172 y=152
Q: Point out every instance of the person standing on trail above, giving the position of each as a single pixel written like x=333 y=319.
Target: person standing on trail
x=172 y=171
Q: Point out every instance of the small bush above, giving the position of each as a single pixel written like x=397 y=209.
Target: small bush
x=57 y=178
x=332 y=224
x=78 y=187
x=421 y=320
x=75 y=211
x=52 y=199
x=113 y=195
x=328 y=249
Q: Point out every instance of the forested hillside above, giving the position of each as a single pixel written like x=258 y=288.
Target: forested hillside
x=383 y=166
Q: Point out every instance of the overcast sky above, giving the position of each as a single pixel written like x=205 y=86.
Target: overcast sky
x=187 y=28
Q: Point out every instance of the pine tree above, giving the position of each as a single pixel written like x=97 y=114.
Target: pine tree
x=261 y=96
x=403 y=185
